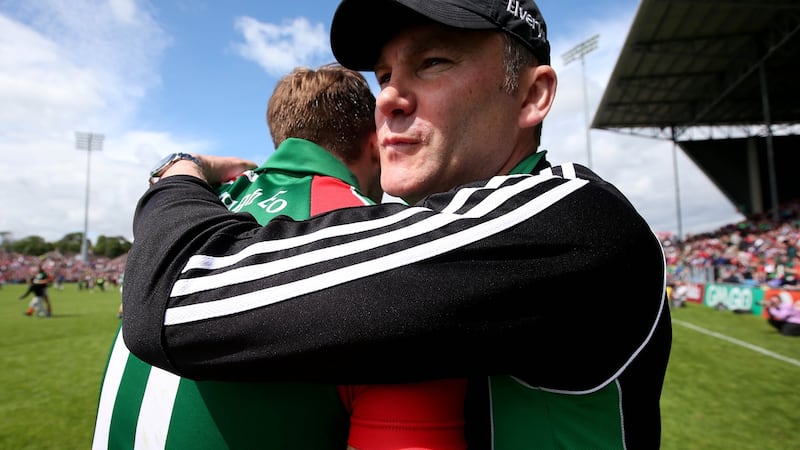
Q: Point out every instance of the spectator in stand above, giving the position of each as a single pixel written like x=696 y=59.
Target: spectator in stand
x=784 y=314
x=758 y=251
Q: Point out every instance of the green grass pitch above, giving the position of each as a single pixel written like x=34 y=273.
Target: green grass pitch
x=733 y=382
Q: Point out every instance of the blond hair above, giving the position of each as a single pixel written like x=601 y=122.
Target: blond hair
x=332 y=106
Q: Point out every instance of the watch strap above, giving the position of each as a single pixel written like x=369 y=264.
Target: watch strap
x=168 y=161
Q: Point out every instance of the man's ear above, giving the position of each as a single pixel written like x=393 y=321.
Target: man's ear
x=539 y=84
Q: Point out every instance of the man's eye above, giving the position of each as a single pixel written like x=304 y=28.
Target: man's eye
x=431 y=62
x=383 y=78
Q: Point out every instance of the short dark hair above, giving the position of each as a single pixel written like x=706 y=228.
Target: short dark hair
x=515 y=58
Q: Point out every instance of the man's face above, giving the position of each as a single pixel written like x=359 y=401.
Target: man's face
x=443 y=118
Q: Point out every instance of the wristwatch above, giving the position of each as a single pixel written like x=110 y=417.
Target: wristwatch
x=168 y=161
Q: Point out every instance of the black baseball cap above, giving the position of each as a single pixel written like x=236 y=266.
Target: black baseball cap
x=360 y=28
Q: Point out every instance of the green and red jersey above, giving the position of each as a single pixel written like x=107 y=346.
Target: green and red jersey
x=142 y=406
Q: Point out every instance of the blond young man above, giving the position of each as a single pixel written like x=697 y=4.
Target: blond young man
x=321 y=123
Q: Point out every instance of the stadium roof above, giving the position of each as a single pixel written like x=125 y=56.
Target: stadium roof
x=689 y=63
x=713 y=69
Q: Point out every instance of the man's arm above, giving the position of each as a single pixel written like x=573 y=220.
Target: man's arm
x=500 y=276
x=27 y=292
x=781 y=311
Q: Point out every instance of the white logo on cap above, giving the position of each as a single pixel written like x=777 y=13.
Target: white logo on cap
x=519 y=12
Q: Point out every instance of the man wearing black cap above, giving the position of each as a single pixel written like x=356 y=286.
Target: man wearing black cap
x=491 y=274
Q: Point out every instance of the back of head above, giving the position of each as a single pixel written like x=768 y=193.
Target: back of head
x=331 y=106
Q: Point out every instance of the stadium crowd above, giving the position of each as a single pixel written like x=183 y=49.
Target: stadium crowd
x=758 y=251
x=16 y=268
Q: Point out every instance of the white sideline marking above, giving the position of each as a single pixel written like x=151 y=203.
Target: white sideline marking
x=738 y=342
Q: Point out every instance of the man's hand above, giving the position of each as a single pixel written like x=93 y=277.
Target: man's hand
x=215 y=170
x=218 y=169
x=772 y=302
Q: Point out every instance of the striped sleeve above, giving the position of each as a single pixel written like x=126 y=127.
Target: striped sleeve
x=466 y=280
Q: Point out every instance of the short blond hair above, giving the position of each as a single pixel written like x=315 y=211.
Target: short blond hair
x=331 y=106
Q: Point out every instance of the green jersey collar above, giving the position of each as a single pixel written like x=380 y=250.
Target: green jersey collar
x=300 y=155
x=528 y=164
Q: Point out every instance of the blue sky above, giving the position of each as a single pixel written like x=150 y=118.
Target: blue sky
x=195 y=76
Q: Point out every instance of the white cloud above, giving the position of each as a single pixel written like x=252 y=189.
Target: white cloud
x=39 y=88
x=280 y=48
x=74 y=66
x=124 y=10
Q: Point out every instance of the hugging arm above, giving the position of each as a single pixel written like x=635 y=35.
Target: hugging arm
x=492 y=278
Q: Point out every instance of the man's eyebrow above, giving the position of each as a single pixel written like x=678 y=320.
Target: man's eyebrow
x=414 y=48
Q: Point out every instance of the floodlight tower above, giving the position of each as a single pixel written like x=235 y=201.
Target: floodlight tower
x=575 y=53
x=89 y=142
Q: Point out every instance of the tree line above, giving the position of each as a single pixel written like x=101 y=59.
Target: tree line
x=108 y=246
